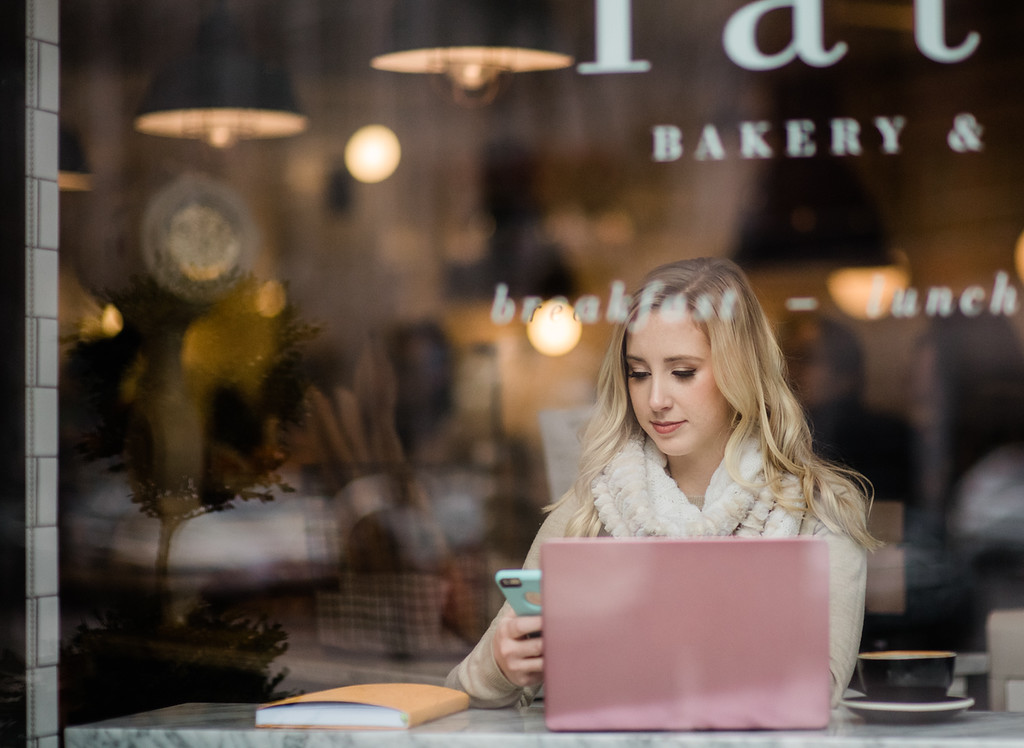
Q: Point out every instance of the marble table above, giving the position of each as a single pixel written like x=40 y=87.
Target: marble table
x=231 y=726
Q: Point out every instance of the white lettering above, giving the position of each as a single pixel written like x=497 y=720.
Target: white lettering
x=673 y=308
x=730 y=298
x=939 y=302
x=668 y=143
x=930 y=33
x=740 y=36
x=1004 y=296
x=613 y=36
x=646 y=302
x=971 y=301
x=798 y=138
x=890 y=129
x=845 y=137
x=710 y=145
x=752 y=142
x=966 y=134
x=530 y=305
x=503 y=310
x=874 y=308
x=703 y=309
x=618 y=304
x=904 y=302
x=588 y=309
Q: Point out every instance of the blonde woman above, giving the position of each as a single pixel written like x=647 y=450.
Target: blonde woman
x=695 y=432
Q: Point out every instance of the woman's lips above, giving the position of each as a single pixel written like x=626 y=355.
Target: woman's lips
x=665 y=427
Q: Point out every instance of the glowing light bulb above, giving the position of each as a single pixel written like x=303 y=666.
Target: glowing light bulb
x=866 y=292
x=553 y=329
x=111 y=321
x=221 y=136
x=271 y=299
x=372 y=153
x=473 y=75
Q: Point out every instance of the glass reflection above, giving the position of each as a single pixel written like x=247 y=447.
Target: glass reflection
x=338 y=501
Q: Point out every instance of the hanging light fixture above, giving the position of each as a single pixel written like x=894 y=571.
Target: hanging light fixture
x=219 y=92
x=471 y=46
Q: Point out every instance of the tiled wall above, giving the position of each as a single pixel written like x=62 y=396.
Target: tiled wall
x=42 y=612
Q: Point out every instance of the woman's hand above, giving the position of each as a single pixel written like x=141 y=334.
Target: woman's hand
x=518 y=649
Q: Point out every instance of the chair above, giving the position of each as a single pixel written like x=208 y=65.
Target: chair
x=1005 y=631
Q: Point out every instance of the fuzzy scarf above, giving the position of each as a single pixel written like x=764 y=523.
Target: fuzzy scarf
x=635 y=496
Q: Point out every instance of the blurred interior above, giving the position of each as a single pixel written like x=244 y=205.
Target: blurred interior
x=298 y=432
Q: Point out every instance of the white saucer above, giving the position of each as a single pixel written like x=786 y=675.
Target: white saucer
x=900 y=712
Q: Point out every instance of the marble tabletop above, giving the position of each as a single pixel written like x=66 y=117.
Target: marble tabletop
x=231 y=726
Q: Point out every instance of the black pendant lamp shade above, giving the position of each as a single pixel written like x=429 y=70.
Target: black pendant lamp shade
x=472 y=45
x=811 y=211
x=220 y=92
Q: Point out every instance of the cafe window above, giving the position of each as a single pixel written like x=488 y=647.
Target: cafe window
x=307 y=409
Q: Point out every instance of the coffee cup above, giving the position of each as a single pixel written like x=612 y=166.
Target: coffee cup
x=906 y=675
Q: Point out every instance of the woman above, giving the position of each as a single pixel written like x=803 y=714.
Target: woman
x=695 y=432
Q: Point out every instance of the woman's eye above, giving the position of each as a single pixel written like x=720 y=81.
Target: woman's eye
x=638 y=374
x=684 y=373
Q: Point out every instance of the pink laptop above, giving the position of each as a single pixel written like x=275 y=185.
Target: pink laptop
x=702 y=634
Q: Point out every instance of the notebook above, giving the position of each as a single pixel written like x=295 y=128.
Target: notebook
x=700 y=634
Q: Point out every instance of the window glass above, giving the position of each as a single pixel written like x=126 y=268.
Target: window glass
x=303 y=419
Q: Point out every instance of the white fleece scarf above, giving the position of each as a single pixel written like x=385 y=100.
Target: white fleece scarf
x=635 y=496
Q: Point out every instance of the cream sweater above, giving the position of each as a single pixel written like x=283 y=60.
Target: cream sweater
x=479 y=675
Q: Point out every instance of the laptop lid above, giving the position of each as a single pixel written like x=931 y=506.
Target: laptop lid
x=695 y=634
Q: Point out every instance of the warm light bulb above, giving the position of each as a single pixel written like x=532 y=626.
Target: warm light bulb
x=221 y=136
x=111 y=321
x=554 y=329
x=372 y=153
x=867 y=292
x=472 y=75
x=271 y=299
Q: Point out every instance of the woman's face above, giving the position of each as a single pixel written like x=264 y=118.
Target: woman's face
x=675 y=397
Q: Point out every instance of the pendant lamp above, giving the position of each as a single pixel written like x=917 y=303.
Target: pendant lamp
x=220 y=92
x=471 y=46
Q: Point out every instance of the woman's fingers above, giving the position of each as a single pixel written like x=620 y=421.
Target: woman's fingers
x=526 y=625
x=518 y=649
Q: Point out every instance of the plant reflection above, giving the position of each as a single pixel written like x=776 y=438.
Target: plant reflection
x=192 y=402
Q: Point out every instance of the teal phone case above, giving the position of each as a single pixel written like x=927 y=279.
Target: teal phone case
x=521 y=588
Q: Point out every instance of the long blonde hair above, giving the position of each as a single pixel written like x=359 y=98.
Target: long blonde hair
x=750 y=371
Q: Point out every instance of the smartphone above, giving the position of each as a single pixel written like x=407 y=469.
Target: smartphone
x=521 y=588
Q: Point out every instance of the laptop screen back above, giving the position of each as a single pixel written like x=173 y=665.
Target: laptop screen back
x=669 y=634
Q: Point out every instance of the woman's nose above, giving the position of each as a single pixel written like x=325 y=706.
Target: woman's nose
x=659 y=398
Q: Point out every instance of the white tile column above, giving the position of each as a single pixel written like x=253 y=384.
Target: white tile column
x=42 y=221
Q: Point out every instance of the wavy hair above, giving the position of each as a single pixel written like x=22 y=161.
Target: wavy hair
x=750 y=371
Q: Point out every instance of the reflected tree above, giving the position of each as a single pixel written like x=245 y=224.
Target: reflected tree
x=192 y=402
